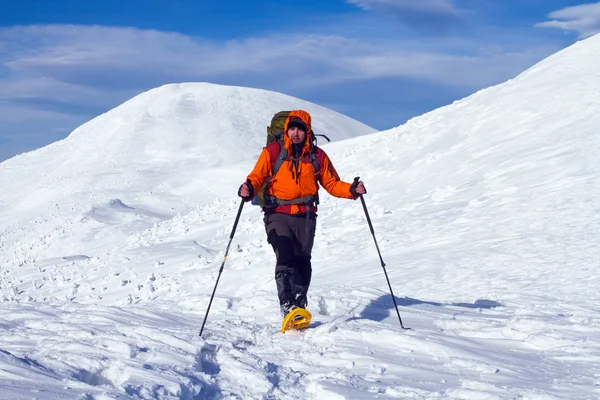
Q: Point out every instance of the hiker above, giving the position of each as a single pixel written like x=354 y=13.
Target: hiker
x=292 y=168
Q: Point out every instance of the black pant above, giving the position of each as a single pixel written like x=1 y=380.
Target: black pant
x=292 y=243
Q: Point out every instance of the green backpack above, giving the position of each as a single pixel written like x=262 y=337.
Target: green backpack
x=275 y=130
x=274 y=133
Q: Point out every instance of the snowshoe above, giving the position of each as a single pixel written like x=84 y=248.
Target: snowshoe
x=297 y=318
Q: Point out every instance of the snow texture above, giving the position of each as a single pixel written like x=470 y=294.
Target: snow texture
x=485 y=211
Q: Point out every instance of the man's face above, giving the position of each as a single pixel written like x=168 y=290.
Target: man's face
x=296 y=134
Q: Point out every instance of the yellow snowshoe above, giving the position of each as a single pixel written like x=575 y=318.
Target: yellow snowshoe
x=298 y=318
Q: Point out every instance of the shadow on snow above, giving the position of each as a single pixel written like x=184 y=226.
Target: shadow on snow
x=381 y=308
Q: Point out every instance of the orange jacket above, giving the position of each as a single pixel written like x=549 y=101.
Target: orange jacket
x=290 y=184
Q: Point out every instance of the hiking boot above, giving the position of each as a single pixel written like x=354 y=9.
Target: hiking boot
x=301 y=301
x=286 y=308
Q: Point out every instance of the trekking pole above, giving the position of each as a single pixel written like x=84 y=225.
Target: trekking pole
x=237 y=218
x=379 y=252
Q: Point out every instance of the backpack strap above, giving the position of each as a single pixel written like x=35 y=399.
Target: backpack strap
x=281 y=157
x=278 y=156
x=315 y=161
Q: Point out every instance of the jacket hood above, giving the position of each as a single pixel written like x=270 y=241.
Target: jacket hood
x=305 y=117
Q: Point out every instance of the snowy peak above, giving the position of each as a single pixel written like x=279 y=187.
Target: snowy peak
x=217 y=124
x=576 y=60
x=190 y=127
x=541 y=124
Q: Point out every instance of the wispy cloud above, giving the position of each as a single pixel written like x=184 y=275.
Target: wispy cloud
x=583 y=19
x=62 y=67
x=23 y=128
x=75 y=61
x=436 y=15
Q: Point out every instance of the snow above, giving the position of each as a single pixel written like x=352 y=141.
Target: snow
x=485 y=212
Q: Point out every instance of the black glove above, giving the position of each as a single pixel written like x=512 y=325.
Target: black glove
x=250 y=190
x=353 y=187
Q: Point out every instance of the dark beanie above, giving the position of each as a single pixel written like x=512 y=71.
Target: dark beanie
x=298 y=123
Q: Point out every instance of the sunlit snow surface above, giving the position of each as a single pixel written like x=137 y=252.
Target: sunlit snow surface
x=486 y=213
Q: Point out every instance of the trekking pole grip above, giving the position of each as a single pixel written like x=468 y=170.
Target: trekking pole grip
x=355 y=183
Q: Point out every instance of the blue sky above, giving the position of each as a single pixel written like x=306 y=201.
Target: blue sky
x=379 y=61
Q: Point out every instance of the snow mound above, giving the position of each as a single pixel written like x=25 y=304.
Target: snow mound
x=216 y=124
x=190 y=126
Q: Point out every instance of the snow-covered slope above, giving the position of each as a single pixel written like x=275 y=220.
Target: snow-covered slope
x=215 y=124
x=169 y=148
x=486 y=215
x=199 y=124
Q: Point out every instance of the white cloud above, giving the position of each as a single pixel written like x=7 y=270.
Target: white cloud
x=77 y=72
x=583 y=19
x=24 y=129
x=428 y=6
x=86 y=61
x=427 y=15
